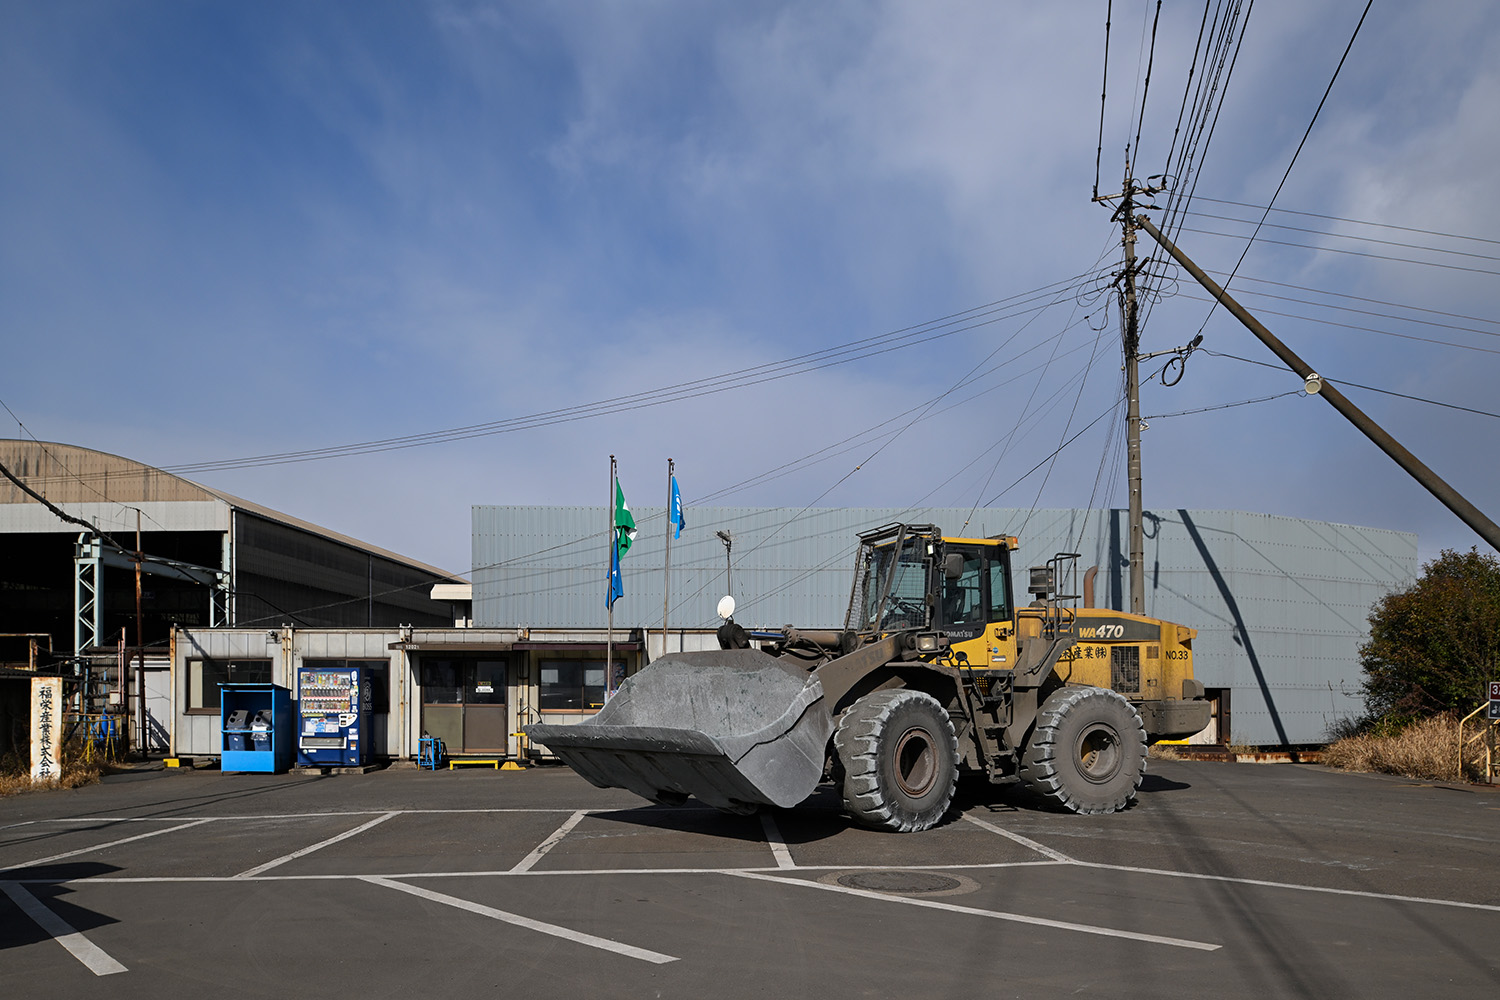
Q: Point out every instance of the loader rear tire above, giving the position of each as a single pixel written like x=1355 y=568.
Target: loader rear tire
x=1087 y=753
x=899 y=760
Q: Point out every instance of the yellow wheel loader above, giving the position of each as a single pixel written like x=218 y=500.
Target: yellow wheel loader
x=937 y=670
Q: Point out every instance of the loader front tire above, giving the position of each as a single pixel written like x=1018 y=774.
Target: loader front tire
x=1087 y=753
x=898 y=756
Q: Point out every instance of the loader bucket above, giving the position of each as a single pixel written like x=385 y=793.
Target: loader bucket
x=735 y=728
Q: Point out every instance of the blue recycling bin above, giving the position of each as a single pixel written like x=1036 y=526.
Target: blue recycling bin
x=236 y=728
x=259 y=728
x=260 y=731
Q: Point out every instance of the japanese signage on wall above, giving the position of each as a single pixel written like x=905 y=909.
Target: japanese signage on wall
x=46 y=728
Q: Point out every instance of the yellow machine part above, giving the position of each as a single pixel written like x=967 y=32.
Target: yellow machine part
x=1142 y=658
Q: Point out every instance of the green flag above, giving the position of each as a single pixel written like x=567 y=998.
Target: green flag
x=624 y=523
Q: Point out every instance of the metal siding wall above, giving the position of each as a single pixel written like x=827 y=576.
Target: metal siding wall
x=1280 y=603
x=322 y=582
x=199 y=734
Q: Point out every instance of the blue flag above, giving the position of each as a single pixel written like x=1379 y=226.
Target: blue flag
x=616 y=585
x=674 y=511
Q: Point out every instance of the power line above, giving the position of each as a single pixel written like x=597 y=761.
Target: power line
x=1351 y=253
x=1103 y=91
x=954 y=323
x=1298 y=152
x=1227 y=406
x=1363 y=329
x=1356 y=222
x=1356 y=385
x=1053 y=454
x=1191 y=159
x=1349 y=236
x=1192 y=67
x=1362 y=298
x=1366 y=312
x=1146 y=88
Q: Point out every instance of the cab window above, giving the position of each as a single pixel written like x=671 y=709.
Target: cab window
x=999 y=591
x=963 y=597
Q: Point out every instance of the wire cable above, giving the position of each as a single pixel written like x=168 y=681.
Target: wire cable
x=1298 y=152
x=1356 y=222
x=1103 y=92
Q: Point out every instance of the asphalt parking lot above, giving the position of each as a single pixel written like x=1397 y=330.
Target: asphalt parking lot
x=1224 y=880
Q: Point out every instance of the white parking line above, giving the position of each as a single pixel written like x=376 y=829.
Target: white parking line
x=524 y=865
x=1024 y=842
x=251 y=873
x=778 y=845
x=94 y=958
x=1361 y=893
x=972 y=911
x=101 y=847
x=568 y=934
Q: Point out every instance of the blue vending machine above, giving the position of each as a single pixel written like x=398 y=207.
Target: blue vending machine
x=333 y=717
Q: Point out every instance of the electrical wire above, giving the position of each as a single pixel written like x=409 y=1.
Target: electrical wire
x=1146 y=88
x=70 y=474
x=1192 y=67
x=1252 y=293
x=1351 y=253
x=1356 y=222
x=1226 y=406
x=1362 y=329
x=1298 y=152
x=965 y=320
x=1349 y=236
x=1362 y=298
x=1367 y=388
x=1103 y=92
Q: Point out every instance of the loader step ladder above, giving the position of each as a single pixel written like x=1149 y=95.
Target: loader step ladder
x=1060 y=617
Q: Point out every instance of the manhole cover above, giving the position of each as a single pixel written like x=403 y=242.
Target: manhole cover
x=901 y=882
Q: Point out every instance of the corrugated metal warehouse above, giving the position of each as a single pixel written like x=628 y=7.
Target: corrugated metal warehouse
x=1281 y=603
x=209 y=559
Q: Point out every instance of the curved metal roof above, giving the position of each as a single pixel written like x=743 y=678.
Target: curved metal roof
x=69 y=474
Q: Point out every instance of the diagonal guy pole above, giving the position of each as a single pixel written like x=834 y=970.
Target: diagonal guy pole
x=1435 y=484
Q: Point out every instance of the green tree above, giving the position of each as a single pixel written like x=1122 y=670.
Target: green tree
x=1434 y=645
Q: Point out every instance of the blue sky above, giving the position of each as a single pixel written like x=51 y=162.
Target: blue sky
x=239 y=229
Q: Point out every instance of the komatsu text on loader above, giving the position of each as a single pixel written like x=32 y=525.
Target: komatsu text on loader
x=936 y=670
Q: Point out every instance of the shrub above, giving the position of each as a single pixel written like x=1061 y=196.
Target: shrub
x=15 y=771
x=1433 y=645
x=1426 y=749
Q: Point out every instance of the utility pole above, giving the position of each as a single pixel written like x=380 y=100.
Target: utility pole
x=1318 y=385
x=1131 y=338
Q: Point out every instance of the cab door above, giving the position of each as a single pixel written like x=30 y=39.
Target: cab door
x=974 y=609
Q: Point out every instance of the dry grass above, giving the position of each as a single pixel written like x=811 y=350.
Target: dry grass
x=15 y=772
x=1158 y=751
x=1427 y=749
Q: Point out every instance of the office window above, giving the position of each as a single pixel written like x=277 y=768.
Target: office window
x=205 y=676
x=572 y=685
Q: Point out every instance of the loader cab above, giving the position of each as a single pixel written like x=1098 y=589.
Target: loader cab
x=910 y=577
x=977 y=610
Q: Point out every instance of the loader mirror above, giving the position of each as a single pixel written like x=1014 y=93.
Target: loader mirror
x=953 y=565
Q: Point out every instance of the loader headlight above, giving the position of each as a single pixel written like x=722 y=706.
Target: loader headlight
x=928 y=642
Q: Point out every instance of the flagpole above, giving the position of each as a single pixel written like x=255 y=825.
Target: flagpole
x=666 y=571
x=609 y=641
